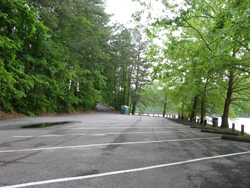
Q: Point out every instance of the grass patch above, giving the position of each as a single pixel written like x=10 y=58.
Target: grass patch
x=228 y=129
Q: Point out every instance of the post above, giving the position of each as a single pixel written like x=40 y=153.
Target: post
x=205 y=122
x=242 y=130
x=233 y=127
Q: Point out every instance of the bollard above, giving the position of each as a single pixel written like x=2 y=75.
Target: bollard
x=233 y=127
x=242 y=130
x=215 y=122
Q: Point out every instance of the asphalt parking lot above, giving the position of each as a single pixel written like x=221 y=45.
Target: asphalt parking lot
x=111 y=150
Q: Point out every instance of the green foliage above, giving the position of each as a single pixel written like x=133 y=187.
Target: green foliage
x=205 y=54
x=52 y=55
x=61 y=56
x=128 y=69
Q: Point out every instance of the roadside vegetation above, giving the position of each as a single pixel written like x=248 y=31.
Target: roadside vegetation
x=64 y=56
x=203 y=63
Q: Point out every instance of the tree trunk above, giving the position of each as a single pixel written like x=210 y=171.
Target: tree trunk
x=129 y=84
x=124 y=96
x=134 y=107
x=124 y=85
x=203 y=105
x=202 y=110
x=182 y=111
x=192 y=118
x=165 y=106
x=115 y=104
x=128 y=97
x=136 y=87
x=225 y=116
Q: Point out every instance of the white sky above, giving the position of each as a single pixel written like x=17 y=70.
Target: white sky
x=122 y=10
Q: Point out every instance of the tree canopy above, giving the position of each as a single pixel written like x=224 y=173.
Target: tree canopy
x=204 y=59
x=59 y=56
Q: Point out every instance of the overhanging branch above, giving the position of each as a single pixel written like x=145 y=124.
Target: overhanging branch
x=243 y=45
x=200 y=36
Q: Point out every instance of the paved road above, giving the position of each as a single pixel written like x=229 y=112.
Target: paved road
x=102 y=108
x=111 y=150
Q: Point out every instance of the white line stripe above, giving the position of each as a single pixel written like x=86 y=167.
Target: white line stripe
x=94 y=128
x=91 y=134
x=107 y=144
x=51 y=135
x=60 y=180
x=37 y=136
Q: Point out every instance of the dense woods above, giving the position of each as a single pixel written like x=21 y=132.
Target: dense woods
x=61 y=56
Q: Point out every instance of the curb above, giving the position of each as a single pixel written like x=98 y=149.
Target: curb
x=236 y=138
x=220 y=132
x=202 y=127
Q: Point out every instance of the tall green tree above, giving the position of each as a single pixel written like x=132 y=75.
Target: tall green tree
x=141 y=66
x=24 y=42
x=53 y=54
x=220 y=28
x=79 y=27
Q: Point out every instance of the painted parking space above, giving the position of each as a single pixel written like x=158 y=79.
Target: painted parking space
x=61 y=180
x=138 y=146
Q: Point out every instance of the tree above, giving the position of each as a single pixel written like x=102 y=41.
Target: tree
x=141 y=67
x=22 y=35
x=53 y=55
x=153 y=96
x=221 y=29
x=129 y=67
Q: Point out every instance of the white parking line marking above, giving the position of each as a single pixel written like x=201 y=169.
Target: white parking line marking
x=107 y=144
x=93 y=134
x=102 y=128
x=51 y=135
x=60 y=180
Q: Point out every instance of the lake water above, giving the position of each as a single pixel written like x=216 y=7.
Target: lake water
x=238 y=122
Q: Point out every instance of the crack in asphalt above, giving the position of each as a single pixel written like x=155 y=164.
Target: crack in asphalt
x=5 y=163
